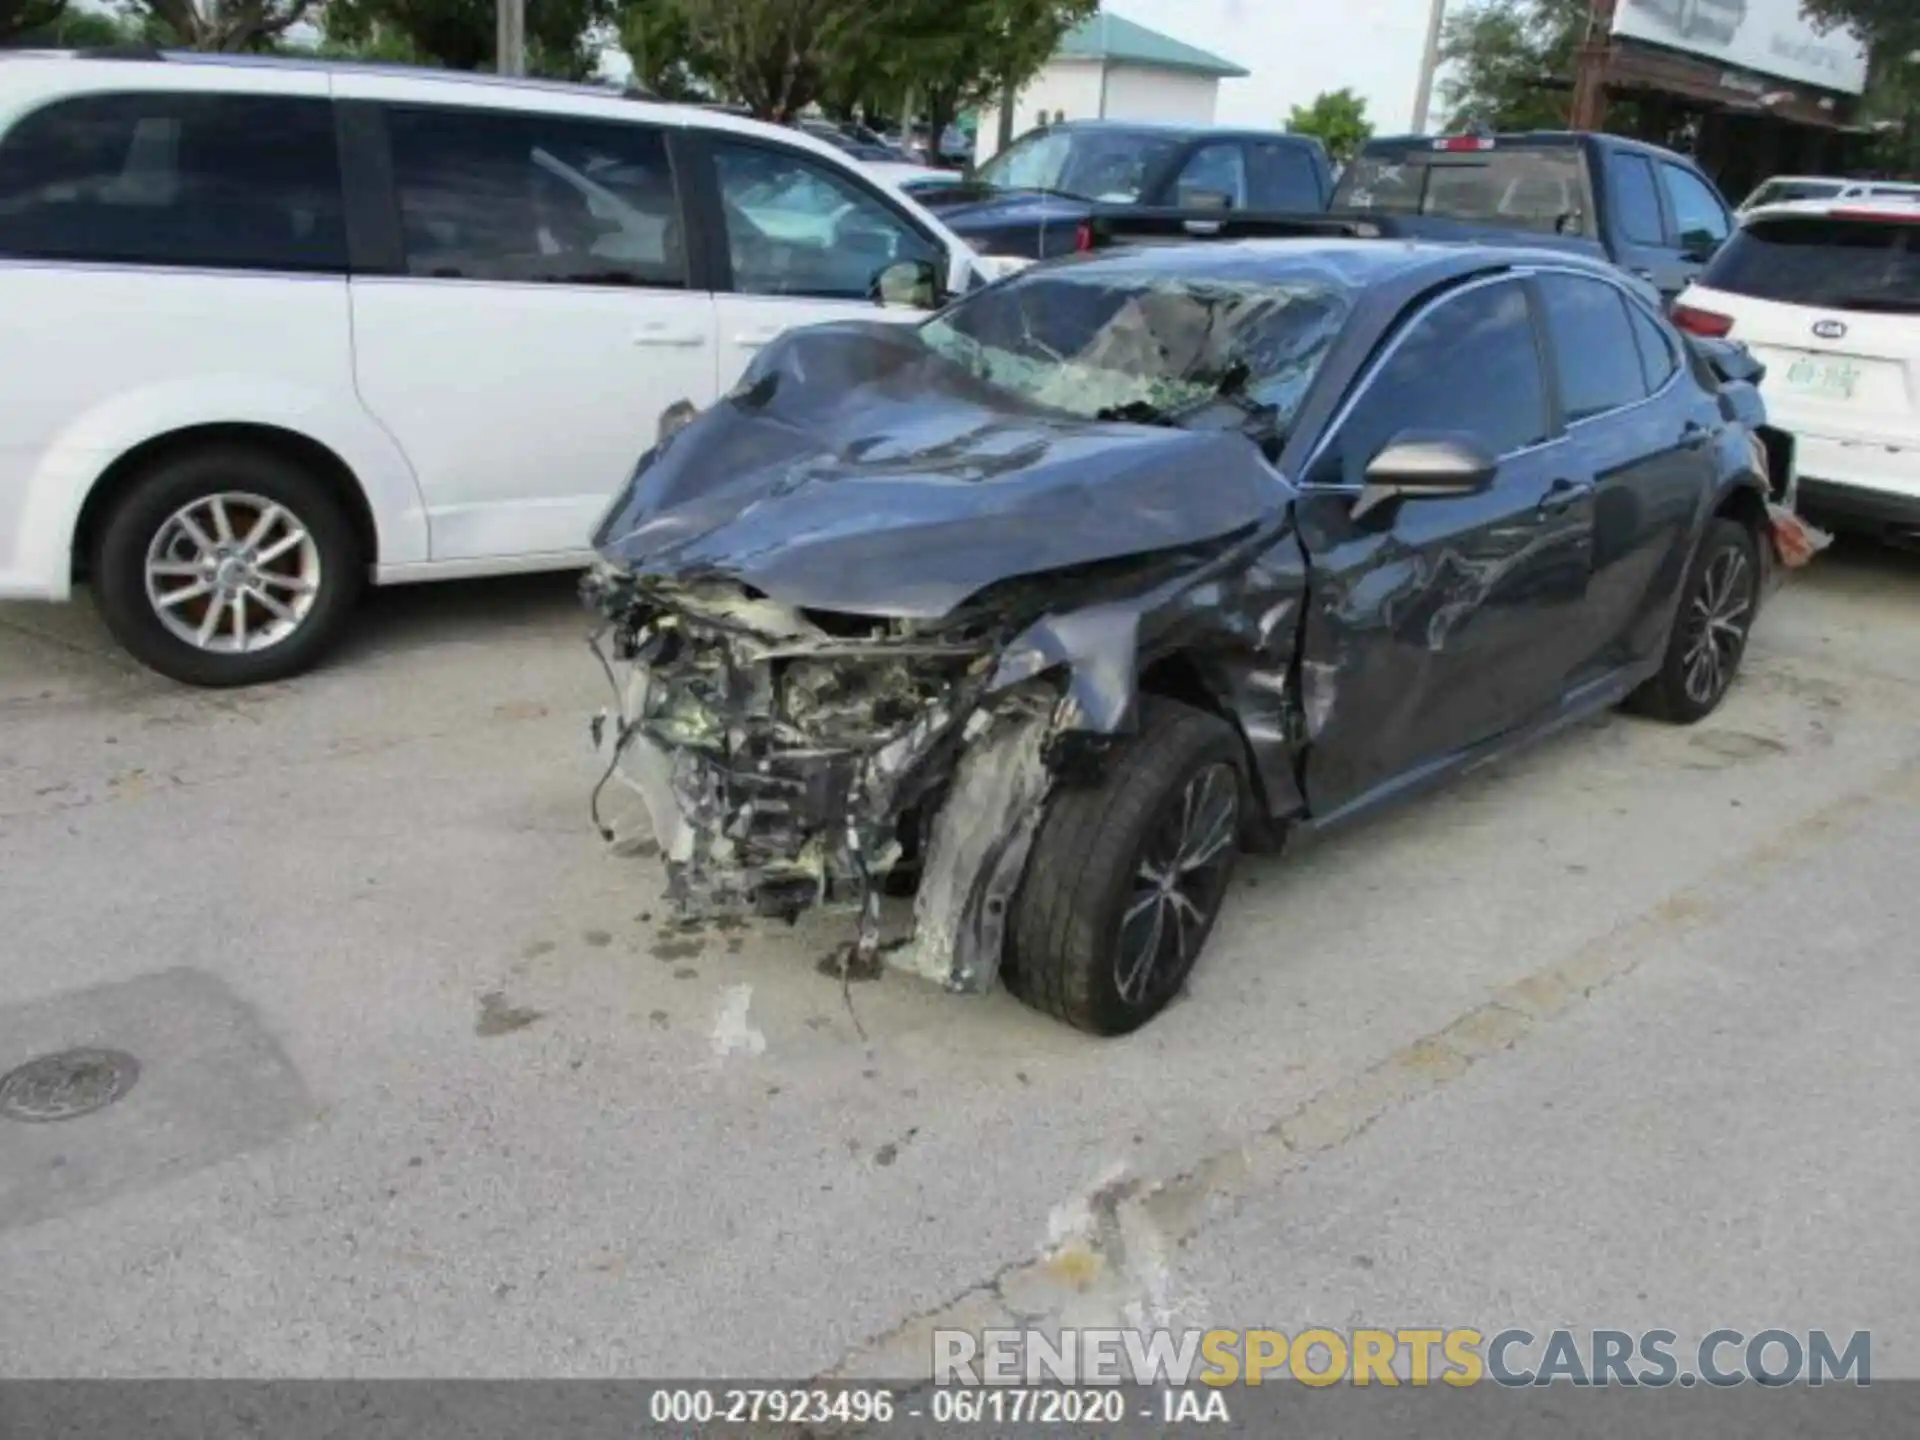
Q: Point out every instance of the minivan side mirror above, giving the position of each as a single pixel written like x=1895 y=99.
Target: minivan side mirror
x=914 y=284
x=1425 y=465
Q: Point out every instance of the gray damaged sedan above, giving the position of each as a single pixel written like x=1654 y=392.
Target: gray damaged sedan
x=1043 y=610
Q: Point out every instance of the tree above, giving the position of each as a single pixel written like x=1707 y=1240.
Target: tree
x=1337 y=119
x=24 y=20
x=1886 y=25
x=460 y=34
x=1512 y=63
x=659 y=41
x=1891 y=29
x=780 y=56
x=226 y=24
x=955 y=55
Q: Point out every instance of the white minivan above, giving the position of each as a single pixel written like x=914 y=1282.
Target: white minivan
x=271 y=329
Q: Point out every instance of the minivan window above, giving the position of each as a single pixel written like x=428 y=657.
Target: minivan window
x=535 y=199
x=1541 y=189
x=1817 y=260
x=797 y=226
x=153 y=178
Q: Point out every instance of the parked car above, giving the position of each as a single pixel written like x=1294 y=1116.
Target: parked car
x=1648 y=210
x=278 y=328
x=856 y=140
x=1821 y=187
x=955 y=150
x=1047 y=605
x=1826 y=293
x=1033 y=197
x=907 y=176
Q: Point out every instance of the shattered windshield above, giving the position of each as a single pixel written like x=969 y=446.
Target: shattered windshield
x=1109 y=342
x=1106 y=165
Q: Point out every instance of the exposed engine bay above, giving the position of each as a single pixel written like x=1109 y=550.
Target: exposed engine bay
x=790 y=759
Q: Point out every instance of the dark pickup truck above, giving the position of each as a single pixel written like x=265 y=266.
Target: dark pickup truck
x=1035 y=198
x=1648 y=210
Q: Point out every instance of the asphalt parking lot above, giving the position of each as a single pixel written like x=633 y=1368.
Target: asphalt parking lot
x=1617 y=1032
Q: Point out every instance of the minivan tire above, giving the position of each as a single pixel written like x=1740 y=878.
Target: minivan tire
x=1065 y=943
x=319 y=566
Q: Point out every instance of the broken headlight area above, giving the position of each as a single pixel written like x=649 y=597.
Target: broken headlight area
x=789 y=759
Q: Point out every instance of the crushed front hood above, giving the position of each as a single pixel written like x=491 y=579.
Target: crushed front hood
x=853 y=470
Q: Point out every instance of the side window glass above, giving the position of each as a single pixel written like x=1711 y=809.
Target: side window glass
x=1486 y=333
x=531 y=199
x=1214 y=178
x=151 y=178
x=1593 y=346
x=1696 y=213
x=796 y=227
x=1656 y=351
x=1635 y=201
x=1282 y=178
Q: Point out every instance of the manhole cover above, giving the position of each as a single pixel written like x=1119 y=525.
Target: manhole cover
x=67 y=1084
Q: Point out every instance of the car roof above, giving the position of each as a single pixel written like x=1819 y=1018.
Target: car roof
x=1358 y=261
x=166 y=69
x=1521 y=140
x=1173 y=129
x=1879 y=207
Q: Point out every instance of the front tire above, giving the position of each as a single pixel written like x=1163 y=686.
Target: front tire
x=1710 y=629
x=1126 y=878
x=227 y=566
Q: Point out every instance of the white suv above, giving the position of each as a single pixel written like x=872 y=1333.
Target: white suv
x=1827 y=295
x=274 y=328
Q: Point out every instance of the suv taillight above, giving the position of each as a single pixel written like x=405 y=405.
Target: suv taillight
x=1709 y=324
x=1083 y=237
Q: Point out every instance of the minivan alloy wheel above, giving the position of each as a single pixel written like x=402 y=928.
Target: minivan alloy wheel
x=232 y=573
x=1718 y=618
x=1179 y=883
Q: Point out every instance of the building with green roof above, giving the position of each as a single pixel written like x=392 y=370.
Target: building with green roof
x=1108 y=67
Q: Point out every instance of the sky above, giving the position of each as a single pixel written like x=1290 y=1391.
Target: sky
x=1297 y=48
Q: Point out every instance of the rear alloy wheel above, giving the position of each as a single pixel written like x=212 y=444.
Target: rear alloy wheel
x=1126 y=878
x=1709 y=637
x=226 y=567
x=232 y=573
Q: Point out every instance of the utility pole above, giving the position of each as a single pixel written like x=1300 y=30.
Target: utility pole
x=1591 y=59
x=1429 y=64
x=510 y=37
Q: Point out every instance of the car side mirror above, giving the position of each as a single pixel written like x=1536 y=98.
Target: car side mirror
x=1419 y=465
x=912 y=284
x=1699 y=245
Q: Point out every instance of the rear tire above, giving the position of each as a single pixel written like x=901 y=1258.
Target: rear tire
x=1710 y=629
x=227 y=566
x=1126 y=878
